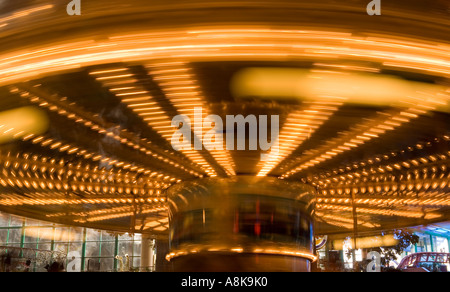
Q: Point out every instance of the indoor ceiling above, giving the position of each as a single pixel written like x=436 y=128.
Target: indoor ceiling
x=110 y=81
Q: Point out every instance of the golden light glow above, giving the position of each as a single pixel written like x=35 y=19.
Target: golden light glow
x=68 y=112
x=299 y=126
x=266 y=250
x=312 y=85
x=334 y=55
x=22 y=122
x=24 y=13
x=144 y=105
x=381 y=211
x=368 y=242
x=180 y=87
x=415 y=106
x=228 y=43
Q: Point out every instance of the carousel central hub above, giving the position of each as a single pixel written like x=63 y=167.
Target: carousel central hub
x=262 y=222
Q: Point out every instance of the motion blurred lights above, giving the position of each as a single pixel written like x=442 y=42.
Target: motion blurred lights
x=20 y=122
x=369 y=242
x=304 y=84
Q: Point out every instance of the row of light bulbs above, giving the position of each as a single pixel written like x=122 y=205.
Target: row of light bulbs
x=109 y=211
x=121 y=82
x=433 y=172
x=177 y=81
x=380 y=211
x=345 y=222
x=61 y=200
x=383 y=163
x=51 y=176
x=45 y=167
x=69 y=111
x=380 y=189
x=368 y=130
x=299 y=126
x=420 y=179
x=434 y=199
x=120 y=215
x=85 y=187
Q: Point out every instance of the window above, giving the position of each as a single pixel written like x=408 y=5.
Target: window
x=97 y=250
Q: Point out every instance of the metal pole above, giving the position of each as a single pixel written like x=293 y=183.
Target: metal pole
x=83 y=250
x=22 y=239
x=448 y=242
x=355 y=228
x=431 y=243
x=116 y=252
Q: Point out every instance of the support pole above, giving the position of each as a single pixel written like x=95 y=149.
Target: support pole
x=147 y=253
x=355 y=229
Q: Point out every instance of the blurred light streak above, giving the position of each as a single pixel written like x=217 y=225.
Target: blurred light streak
x=380 y=211
x=21 y=122
x=44 y=200
x=177 y=78
x=72 y=112
x=263 y=250
x=303 y=84
x=368 y=242
x=299 y=126
x=225 y=43
x=415 y=105
x=147 y=108
x=344 y=221
x=26 y=12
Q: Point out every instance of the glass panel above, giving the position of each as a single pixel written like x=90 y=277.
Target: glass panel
x=15 y=235
x=107 y=236
x=62 y=234
x=4 y=220
x=107 y=249
x=61 y=247
x=107 y=264
x=76 y=234
x=31 y=235
x=93 y=249
x=126 y=247
x=126 y=237
x=93 y=235
x=427 y=244
x=3 y=236
x=45 y=234
x=31 y=222
x=76 y=247
x=16 y=221
x=100 y=245
x=136 y=262
x=137 y=248
x=442 y=244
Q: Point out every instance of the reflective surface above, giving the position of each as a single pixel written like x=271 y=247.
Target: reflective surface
x=253 y=223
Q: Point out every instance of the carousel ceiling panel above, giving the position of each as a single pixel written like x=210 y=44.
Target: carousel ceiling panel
x=365 y=121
